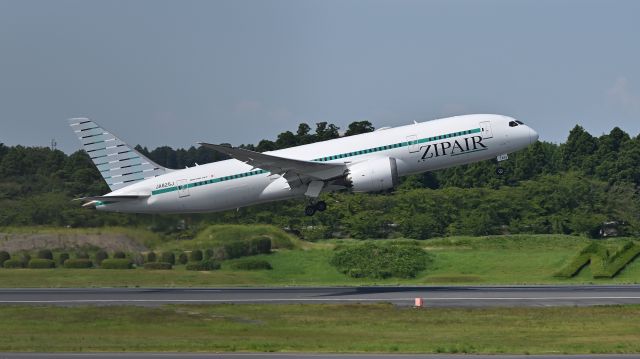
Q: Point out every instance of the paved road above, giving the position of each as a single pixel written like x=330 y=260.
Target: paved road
x=292 y=356
x=434 y=296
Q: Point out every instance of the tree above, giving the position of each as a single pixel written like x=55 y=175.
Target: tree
x=326 y=131
x=302 y=134
x=577 y=150
x=358 y=127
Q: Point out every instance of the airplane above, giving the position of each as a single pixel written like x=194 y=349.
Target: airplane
x=369 y=162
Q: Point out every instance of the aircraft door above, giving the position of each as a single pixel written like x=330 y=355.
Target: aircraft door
x=413 y=143
x=485 y=127
x=183 y=188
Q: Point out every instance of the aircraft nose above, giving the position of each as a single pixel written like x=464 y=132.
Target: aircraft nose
x=533 y=135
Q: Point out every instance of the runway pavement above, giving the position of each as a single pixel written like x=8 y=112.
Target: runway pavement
x=434 y=296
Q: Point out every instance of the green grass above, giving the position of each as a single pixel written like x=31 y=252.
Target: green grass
x=523 y=259
x=321 y=328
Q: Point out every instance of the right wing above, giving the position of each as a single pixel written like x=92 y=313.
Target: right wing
x=287 y=167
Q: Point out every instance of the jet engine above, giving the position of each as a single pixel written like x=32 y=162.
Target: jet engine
x=373 y=175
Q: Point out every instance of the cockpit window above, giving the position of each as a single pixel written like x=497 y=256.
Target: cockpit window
x=512 y=124
x=520 y=122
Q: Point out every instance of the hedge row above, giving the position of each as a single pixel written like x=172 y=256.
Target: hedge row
x=602 y=264
x=237 y=249
x=4 y=255
x=195 y=260
x=117 y=263
x=618 y=261
x=41 y=263
x=204 y=265
x=251 y=264
x=78 y=263
x=158 y=265
x=13 y=263
x=593 y=250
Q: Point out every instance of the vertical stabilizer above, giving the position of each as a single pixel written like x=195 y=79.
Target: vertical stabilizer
x=119 y=164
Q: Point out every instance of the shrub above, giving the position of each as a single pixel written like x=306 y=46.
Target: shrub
x=594 y=253
x=237 y=249
x=41 y=263
x=251 y=264
x=78 y=263
x=203 y=265
x=158 y=265
x=183 y=258
x=119 y=255
x=100 y=256
x=117 y=263
x=82 y=255
x=618 y=261
x=315 y=233
x=4 y=255
x=13 y=263
x=45 y=254
x=137 y=259
x=168 y=257
x=380 y=260
x=261 y=245
x=25 y=258
x=63 y=257
x=195 y=256
x=208 y=254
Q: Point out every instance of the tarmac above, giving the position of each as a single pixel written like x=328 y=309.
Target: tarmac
x=433 y=296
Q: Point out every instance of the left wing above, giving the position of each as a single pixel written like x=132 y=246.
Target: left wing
x=287 y=167
x=95 y=200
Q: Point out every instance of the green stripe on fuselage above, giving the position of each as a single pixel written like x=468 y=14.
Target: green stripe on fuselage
x=321 y=159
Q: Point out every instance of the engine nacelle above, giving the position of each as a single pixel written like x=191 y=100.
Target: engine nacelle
x=373 y=175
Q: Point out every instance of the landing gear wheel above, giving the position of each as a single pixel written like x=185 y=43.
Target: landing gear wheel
x=500 y=171
x=310 y=210
x=321 y=206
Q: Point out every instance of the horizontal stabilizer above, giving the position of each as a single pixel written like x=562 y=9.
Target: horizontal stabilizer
x=122 y=198
x=94 y=201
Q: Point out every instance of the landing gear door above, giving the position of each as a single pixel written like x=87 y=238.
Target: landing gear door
x=183 y=188
x=412 y=141
x=485 y=128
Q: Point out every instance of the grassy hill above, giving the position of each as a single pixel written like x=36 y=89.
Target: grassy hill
x=216 y=235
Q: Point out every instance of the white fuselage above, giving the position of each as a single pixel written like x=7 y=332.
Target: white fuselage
x=417 y=148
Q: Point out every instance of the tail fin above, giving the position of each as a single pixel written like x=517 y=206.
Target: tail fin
x=119 y=164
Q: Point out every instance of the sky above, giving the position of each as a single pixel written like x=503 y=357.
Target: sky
x=177 y=72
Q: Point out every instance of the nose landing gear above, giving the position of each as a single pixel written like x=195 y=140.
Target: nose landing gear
x=500 y=170
x=311 y=209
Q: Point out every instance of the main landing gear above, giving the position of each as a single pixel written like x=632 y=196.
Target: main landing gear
x=311 y=209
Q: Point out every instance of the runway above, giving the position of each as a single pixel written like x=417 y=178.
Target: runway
x=434 y=296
